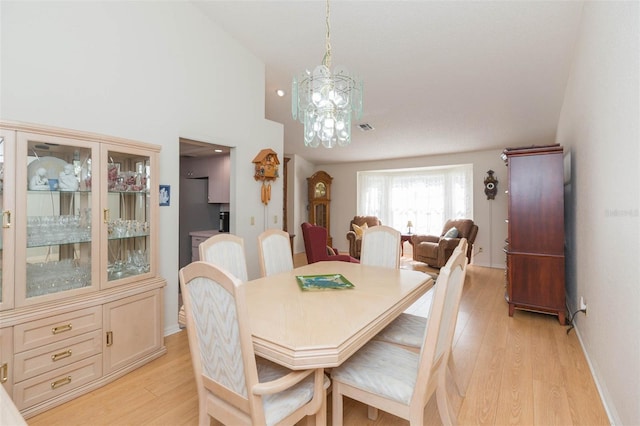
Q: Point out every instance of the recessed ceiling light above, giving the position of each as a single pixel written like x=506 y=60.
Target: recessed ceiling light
x=280 y=92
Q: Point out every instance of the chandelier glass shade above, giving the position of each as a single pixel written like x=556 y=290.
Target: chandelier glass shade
x=324 y=102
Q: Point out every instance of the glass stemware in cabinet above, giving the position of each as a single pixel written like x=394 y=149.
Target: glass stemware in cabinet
x=128 y=215
x=59 y=207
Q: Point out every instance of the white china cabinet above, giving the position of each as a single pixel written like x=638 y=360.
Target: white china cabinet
x=80 y=296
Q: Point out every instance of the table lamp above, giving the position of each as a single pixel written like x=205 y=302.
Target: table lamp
x=409 y=225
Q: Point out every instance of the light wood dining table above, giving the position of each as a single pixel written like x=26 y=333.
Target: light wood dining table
x=321 y=329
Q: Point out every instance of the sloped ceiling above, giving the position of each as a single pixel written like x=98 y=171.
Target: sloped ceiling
x=439 y=76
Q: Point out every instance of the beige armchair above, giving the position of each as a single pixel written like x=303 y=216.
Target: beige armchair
x=355 y=241
x=436 y=250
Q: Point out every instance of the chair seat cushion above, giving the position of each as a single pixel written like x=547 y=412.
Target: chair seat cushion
x=381 y=368
x=407 y=330
x=428 y=249
x=279 y=405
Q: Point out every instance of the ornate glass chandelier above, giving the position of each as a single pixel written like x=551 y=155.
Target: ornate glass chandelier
x=324 y=102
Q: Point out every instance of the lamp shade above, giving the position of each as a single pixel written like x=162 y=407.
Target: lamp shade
x=409 y=224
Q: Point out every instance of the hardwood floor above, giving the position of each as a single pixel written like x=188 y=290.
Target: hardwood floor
x=521 y=370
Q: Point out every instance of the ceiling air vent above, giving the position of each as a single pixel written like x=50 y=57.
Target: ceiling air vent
x=365 y=127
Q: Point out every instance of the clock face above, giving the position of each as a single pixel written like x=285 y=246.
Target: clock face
x=320 y=190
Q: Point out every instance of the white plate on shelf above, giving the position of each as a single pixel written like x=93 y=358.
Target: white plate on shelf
x=53 y=165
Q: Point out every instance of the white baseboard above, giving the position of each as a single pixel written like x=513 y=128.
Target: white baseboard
x=488 y=265
x=611 y=414
x=171 y=330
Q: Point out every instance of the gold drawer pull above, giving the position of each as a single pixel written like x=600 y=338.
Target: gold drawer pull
x=105 y=215
x=109 y=338
x=61 y=329
x=4 y=368
x=6 y=219
x=61 y=355
x=61 y=382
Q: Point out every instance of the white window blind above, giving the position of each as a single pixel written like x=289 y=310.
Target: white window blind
x=427 y=197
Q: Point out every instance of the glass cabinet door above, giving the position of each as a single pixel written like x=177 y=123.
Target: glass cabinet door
x=54 y=254
x=7 y=232
x=127 y=215
x=320 y=215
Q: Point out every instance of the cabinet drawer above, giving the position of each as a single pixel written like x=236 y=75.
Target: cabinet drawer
x=195 y=241
x=537 y=281
x=46 y=358
x=195 y=247
x=40 y=388
x=56 y=328
x=6 y=359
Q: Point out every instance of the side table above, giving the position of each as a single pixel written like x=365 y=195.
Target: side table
x=403 y=238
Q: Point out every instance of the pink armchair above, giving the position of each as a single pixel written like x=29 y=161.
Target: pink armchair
x=436 y=250
x=315 y=245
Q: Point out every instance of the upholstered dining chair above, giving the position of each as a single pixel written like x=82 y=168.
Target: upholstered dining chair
x=274 y=252
x=316 y=248
x=408 y=330
x=380 y=247
x=226 y=251
x=400 y=381
x=234 y=386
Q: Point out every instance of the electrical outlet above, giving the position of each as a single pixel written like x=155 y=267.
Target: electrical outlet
x=253 y=220
x=583 y=305
x=275 y=219
x=480 y=249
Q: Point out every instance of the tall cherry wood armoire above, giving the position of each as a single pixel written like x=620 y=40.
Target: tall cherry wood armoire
x=535 y=238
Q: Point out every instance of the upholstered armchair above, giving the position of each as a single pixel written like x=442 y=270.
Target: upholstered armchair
x=436 y=250
x=355 y=240
x=316 y=248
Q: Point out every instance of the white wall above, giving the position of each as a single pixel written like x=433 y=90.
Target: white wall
x=149 y=71
x=302 y=169
x=489 y=215
x=599 y=127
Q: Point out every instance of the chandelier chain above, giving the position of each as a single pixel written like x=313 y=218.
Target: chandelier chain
x=327 y=56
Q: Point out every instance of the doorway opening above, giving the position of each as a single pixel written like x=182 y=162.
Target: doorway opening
x=204 y=189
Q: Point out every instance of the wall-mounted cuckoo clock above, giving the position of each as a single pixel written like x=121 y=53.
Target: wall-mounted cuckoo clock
x=266 y=169
x=490 y=185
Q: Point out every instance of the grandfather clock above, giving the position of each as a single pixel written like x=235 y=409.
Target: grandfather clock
x=319 y=198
